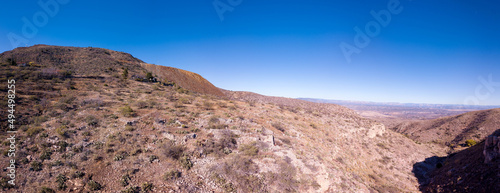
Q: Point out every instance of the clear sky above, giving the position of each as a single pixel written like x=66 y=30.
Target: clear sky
x=426 y=52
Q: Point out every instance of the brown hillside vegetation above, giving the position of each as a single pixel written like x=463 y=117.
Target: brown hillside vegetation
x=183 y=78
x=103 y=131
x=453 y=130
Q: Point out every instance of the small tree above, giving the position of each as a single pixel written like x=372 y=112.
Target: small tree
x=125 y=73
x=149 y=76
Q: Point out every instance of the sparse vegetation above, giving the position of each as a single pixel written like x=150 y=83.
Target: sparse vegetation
x=172 y=175
x=470 y=142
x=93 y=185
x=127 y=111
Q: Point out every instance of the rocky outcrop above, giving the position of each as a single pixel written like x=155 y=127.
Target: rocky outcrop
x=491 y=149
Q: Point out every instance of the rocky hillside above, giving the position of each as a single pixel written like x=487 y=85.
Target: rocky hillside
x=453 y=130
x=98 y=61
x=86 y=130
x=185 y=79
x=476 y=169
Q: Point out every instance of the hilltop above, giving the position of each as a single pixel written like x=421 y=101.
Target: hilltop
x=102 y=62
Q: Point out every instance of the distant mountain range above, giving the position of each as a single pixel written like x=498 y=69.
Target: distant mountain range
x=396 y=104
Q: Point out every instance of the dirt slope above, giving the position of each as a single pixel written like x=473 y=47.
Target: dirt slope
x=183 y=78
x=466 y=171
x=454 y=129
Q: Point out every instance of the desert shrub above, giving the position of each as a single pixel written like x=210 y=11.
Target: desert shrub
x=184 y=101
x=33 y=131
x=470 y=142
x=45 y=155
x=250 y=149
x=172 y=175
x=208 y=105
x=46 y=190
x=173 y=151
x=222 y=146
x=40 y=119
x=57 y=163
x=313 y=126
x=124 y=180
x=186 y=162
x=149 y=76
x=78 y=174
x=137 y=152
x=86 y=133
x=127 y=111
x=146 y=187
x=129 y=128
x=219 y=126
x=222 y=104
x=67 y=99
x=132 y=189
x=93 y=185
x=61 y=182
x=125 y=73
x=239 y=173
x=92 y=121
x=278 y=126
x=285 y=178
x=61 y=131
x=36 y=166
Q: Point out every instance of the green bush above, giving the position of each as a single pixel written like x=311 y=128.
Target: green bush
x=470 y=142
x=93 y=185
x=125 y=73
x=149 y=76
x=61 y=182
x=119 y=157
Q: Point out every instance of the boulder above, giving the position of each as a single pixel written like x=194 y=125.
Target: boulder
x=491 y=150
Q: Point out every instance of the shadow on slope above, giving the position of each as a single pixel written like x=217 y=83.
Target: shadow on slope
x=422 y=170
x=464 y=171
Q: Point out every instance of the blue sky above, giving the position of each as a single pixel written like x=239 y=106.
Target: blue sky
x=429 y=51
